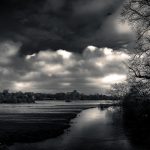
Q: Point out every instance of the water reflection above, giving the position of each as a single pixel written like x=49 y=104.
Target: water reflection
x=92 y=129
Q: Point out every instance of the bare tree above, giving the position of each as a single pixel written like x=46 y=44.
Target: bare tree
x=119 y=90
x=137 y=12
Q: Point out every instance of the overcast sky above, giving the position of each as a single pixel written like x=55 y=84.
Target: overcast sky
x=61 y=45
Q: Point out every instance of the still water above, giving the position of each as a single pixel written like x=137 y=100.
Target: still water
x=92 y=129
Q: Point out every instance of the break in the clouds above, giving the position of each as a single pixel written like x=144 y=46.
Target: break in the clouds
x=57 y=71
x=63 y=24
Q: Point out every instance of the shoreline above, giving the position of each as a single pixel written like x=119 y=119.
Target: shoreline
x=35 y=127
x=39 y=122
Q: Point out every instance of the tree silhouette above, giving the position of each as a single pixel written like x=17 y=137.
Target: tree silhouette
x=137 y=13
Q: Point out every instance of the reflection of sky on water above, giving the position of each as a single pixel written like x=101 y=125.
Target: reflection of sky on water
x=93 y=129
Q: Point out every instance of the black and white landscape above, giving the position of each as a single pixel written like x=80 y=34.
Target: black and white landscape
x=74 y=74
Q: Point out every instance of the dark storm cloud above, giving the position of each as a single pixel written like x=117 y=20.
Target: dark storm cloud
x=60 y=24
x=44 y=45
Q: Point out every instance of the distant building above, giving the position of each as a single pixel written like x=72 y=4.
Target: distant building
x=5 y=92
x=74 y=95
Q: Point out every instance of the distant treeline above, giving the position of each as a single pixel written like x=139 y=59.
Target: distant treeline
x=75 y=95
x=30 y=97
x=18 y=97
